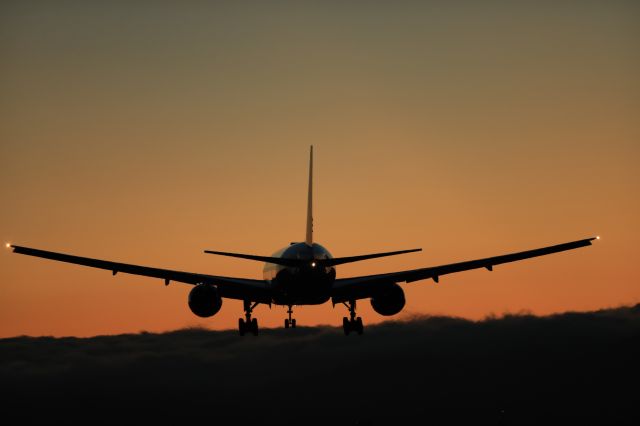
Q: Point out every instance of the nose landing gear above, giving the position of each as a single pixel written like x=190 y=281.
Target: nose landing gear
x=352 y=323
x=290 y=322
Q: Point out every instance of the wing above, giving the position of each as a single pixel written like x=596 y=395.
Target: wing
x=366 y=286
x=232 y=288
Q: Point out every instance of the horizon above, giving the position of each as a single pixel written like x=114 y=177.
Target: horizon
x=406 y=320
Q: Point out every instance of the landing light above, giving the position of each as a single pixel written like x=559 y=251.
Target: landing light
x=7 y=245
x=598 y=237
x=313 y=264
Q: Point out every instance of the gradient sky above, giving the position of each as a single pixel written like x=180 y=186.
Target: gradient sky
x=145 y=132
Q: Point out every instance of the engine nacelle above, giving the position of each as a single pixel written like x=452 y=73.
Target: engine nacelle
x=389 y=300
x=204 y=300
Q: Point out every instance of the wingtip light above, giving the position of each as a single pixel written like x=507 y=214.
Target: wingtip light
x=8 y=245
x=598 y=237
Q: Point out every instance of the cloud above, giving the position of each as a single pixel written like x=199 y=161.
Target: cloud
x=519 y=369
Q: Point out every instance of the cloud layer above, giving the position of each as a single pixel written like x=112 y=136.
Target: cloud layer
x=518 y=369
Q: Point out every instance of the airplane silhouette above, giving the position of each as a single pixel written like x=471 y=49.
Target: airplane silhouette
x=302 y=273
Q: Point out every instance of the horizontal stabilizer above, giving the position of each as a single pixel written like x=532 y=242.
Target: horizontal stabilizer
x=340 y=260
x=267 y=259
x=320 y=262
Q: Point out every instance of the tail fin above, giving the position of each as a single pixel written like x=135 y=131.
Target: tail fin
x=309 y=237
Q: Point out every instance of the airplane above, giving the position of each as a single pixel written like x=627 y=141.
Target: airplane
x=303 y=273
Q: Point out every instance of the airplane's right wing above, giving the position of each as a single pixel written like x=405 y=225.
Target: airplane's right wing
x=229 y=287
x=363 y=287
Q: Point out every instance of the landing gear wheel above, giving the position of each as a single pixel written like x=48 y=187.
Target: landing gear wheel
x=248 y=324
x=254 y=326
x=358 y=327
x=352 y=323
x=289 y=322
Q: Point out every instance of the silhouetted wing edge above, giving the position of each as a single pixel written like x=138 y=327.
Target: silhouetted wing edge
x=229 y=287
x=365 y=286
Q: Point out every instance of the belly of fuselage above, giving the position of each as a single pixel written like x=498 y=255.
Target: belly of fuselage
x=295 y=287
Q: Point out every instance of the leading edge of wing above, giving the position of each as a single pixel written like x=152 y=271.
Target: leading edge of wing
x=230 y=287
x=436 y=271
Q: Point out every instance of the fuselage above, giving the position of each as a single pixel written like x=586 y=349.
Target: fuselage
x=309 y=284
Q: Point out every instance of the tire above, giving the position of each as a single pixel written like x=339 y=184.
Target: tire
x=254 y=326
x=293 y=323
x=241 y=326
x=346 y=326
x=286 y=323
x=358 y=325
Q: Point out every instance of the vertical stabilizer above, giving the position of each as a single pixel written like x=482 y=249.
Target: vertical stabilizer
x=309 y=237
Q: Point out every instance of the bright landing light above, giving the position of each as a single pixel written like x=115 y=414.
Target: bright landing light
x=7 y=245
x=313 y=264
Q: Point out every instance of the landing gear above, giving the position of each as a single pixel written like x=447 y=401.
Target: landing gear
x=352 y=323
x=290 y=322
x=248 y=327
x=248 y=324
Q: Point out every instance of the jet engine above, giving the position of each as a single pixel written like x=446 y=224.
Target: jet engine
x=389 y=300
x=204 y=300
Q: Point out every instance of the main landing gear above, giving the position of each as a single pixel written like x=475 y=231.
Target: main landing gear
x=290 y=322
x=352 y=323
x=248 y=325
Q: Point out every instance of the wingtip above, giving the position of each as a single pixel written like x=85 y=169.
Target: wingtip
x=592 y=239
x=413 y=250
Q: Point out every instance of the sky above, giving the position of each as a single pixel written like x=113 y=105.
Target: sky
x=145 y=133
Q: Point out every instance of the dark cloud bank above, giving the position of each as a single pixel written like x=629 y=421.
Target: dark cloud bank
x=572 y=368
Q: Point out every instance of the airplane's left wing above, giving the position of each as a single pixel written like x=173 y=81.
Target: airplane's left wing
x=354 y=288
x=229 y=287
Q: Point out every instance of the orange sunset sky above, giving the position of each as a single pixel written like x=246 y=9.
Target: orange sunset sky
x=146 y=132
